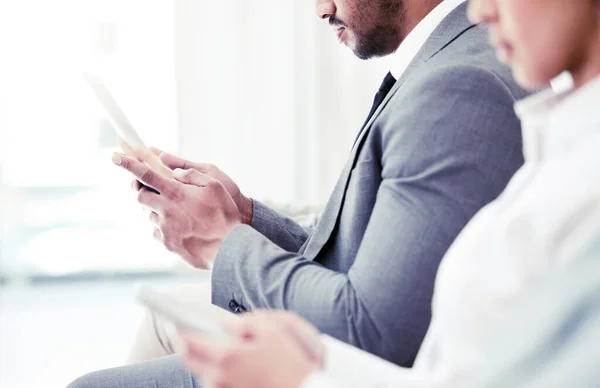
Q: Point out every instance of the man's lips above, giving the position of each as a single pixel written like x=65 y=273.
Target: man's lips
x=338 y=27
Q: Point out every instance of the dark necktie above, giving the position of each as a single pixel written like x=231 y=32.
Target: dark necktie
x=384 y=89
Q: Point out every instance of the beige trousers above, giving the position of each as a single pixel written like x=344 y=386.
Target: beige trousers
x=157 y=337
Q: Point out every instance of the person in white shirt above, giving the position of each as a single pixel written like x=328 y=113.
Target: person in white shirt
x=547 y=218
x=560 y=321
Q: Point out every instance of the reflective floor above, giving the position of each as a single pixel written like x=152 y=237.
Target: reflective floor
x=50 y=334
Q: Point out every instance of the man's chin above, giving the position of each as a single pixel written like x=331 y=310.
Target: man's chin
x=365 y=54
x=357 y=50
x=348 y=40
x=361 y=54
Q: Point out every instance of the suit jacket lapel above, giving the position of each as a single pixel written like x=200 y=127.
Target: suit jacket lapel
x=449 y=29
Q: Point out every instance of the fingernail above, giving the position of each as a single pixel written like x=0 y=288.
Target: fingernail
x=178 y=172
x=116 y=158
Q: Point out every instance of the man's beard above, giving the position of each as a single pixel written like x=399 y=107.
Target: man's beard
x=375 y=43
x=381 y=40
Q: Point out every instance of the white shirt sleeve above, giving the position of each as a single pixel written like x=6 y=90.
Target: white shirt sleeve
x=348 y=366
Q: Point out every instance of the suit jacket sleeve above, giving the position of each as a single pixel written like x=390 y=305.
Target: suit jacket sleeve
x=456 y=138
x=282 y=231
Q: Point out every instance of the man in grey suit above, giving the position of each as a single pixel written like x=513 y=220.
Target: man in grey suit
x=440 y=143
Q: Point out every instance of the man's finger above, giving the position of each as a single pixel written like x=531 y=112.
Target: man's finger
x=173 y=162
x=146 y=155
x=155 y=151
x=154 y=218
x=192 y=177
x=125 y=147
x=157 y=234
x=144 y=173
x=136 y=185
x=151 y=200
x=151 y=159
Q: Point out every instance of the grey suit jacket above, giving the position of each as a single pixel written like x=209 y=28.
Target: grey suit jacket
x=443 y=144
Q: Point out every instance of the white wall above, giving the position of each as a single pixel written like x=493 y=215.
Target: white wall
x=267 y=94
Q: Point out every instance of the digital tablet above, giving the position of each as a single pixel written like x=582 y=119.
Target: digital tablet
x=123 y=127
x=120 y=122
x=196 y=318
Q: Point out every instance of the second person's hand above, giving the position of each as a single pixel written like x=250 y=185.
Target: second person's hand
x=268 y=350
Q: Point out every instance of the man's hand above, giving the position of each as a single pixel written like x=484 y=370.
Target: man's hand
x=193 y=213
x=148 y=156
x=269 y=350
x=173 y=162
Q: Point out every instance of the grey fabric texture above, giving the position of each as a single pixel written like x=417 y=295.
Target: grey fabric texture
x=443 y=144
x=165 y=372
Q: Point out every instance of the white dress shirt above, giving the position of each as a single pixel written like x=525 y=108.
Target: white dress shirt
x=414 y=41
x=548 y=214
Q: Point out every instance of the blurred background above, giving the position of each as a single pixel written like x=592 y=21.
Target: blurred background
x=260 y=88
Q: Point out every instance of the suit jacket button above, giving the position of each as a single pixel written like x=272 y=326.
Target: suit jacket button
x=233 y=306
x=240 y=309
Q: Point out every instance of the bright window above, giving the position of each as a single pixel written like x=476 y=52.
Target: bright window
x=65 y=207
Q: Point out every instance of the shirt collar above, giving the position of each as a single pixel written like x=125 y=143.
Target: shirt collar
x=415 y=40
x=554 y=120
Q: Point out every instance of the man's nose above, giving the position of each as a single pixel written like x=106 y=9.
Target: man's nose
x=325 y=8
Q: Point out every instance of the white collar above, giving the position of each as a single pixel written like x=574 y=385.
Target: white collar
x=553 y=120
x=415 y=39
